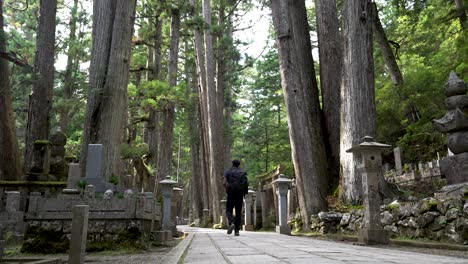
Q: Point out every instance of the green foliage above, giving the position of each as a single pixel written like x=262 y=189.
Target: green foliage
x=131 y=151
x=81 y=184
x=431 y=44
x=114 y=179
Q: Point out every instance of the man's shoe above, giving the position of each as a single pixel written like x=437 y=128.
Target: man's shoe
x=236 y=233
x=230 y=228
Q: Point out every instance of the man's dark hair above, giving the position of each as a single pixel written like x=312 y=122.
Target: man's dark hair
x=236 y=163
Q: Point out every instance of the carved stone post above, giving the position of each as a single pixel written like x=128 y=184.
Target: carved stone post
x=223 y=217
x=368 y=154
x=248 y=200
x=167 y=191
x=79 y=233
x=282 y=186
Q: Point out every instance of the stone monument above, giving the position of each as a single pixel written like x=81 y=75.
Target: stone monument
x=455 y=124
x=368 y=155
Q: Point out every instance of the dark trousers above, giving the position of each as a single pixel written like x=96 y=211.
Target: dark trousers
x=234 y=201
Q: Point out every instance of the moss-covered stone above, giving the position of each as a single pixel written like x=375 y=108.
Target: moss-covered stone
x=42 y=142
x=38 y=240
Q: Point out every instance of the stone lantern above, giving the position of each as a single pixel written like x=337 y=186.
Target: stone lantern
x=248 y=201
x=282 y=186
x=368 y=155
x=167 y=186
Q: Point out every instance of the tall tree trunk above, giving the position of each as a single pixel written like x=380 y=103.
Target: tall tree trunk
x=387 y=52
x=221 y=84
x=357 y=93
x=68 y=83
x=194 y=131
x=203 y=107
x=302 y=105
x=10 y=164
x=153 y=127
x=109 y=73
x=40 y=101
x=330 y=76
x=214 y=128
x=165 y=154
x=461 y=12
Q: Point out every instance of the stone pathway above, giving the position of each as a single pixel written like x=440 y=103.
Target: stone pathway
x=207 y=246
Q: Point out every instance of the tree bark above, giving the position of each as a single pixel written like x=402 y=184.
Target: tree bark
x=387 y=52
x=40 y=101
x=331 y=58
x=68 y=83
x=461 y=13
x=194 y=131
x=165 y=154
x=214 y=128
x=153 y=127
x=109 y=73
x=10 y=164
x=302 y=105
x=203 y=107
x=357 y=93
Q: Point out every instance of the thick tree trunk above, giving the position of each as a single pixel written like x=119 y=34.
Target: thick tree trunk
x=10 y=164
x=68 y=83
x=214 y=128
x=357 y=93
x=165 y=152
x=153 y=127
x=40 y=101
x=109 y=73
x=302 y=105
x=194 y=131
x=203 y=107
x=330 y=77
x=387 y=52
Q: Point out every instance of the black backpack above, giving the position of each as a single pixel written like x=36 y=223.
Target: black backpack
x=238 y=182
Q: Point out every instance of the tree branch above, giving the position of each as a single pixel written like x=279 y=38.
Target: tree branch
x=13 y=57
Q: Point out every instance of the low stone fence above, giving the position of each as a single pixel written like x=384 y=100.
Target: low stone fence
x=434 y=219
x=113 y=221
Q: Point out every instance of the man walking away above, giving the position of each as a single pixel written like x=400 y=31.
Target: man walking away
x=236 y=185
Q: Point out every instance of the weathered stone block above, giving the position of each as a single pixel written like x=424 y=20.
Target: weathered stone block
x=456 y=101
x=458 y=142
x=455 y=168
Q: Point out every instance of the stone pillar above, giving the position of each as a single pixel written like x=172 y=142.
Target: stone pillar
x=94 y=167
x=167 y=186
x=282 y=185
x=224 y=220
x=12 y=202
x=74 y=175
x=206 y=217
x=79 y=232
x=248 y=201
x=368 y=154
x=398 y=162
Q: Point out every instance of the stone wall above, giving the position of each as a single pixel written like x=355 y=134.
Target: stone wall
x=113 y=221
x=413 y=174
x=433 y=219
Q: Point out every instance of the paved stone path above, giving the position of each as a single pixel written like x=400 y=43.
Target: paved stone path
x=207 y=246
